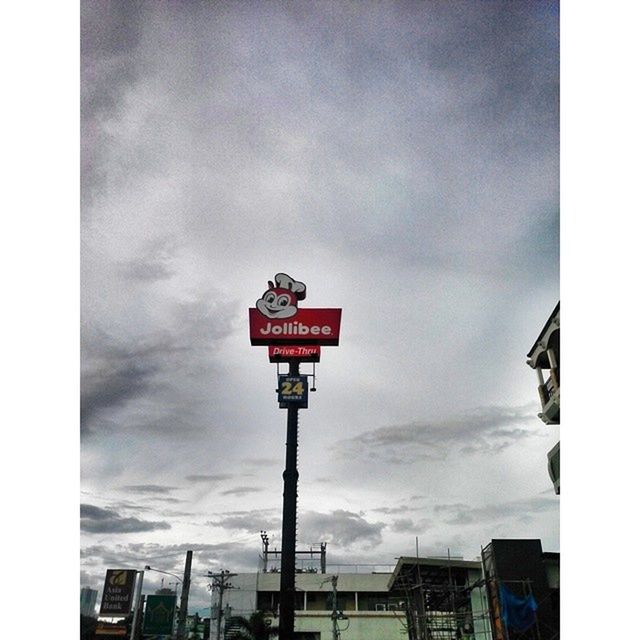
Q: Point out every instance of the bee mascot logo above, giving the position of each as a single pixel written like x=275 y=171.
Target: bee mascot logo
x=281 y=299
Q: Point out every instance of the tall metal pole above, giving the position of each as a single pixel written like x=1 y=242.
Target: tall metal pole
x=289 y=516
x=184 y=597
x=138 y=602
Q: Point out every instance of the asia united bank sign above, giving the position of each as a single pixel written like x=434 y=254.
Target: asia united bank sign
x=277 y=320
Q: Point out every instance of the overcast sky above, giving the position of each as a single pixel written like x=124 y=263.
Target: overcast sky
x=400 y=159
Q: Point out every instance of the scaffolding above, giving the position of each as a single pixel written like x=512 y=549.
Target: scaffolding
x=450 y=599
x=442 y=603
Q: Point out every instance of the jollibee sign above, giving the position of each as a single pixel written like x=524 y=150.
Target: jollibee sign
x=277 y=320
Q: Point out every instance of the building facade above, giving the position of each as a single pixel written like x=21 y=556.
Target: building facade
x=374 y=606
x=520 y=567
x=364 y=605
x=444 y=598
x=88 y=599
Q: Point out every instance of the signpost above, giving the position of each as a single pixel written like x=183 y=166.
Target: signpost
x=158 y=615
x=293 y=335
x=293 y=391
x=117 y=595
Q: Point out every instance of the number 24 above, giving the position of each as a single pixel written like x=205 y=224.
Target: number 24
x=289 y=389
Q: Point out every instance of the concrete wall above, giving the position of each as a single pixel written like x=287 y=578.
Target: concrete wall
x=364 y=625
x=361 y=625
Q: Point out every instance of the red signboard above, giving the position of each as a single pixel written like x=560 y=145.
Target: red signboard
x=276 y=319
x=307 y=326
x=104 y=629
x=301 y=353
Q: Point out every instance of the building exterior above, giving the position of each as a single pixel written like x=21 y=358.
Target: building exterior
x=88 y=598
x=444 y=598
x=375 y=606
x=364 y=604
x=521 y=567
x=544 y=357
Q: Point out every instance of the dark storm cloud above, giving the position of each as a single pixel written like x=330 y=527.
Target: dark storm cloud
x=153 y=264
x=213 y=478
x=262 y=462
x=463 y=515
x=339 y=527
x=118 y=374
x=149 y=488
x=439 y=508
x=110 y=34
x=392 y=510
x=456 y=111
x=170 y=557
x=125 y=377
x=241 y=491
x=129 y=506
x=484 y=430
x=97 y=520
x=407 y=525
x=424 y=120
x=249 y=521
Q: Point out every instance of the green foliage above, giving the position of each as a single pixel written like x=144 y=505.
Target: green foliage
x=87 y=627
x=256 y=627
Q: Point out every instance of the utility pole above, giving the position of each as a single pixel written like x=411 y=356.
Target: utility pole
x=334 y=607
x=335 y=614
x=323 y=557
x=219 y=581
x=184 y=597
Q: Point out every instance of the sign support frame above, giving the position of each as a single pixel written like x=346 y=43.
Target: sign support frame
x=137 y=599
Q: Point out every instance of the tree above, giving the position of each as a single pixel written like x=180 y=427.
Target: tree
x=87 y=627
x=256 y=627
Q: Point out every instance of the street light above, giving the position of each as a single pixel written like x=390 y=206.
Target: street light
x=168 y=573
x=148 y=568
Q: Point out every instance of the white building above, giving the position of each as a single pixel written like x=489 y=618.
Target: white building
x=370 y=606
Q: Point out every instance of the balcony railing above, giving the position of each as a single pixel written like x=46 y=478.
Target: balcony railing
x=550 y=386
x=550 y=399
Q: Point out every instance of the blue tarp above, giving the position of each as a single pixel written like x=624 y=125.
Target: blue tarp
x=517 y=613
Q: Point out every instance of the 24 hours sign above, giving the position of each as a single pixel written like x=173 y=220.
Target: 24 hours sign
x=293 y=391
